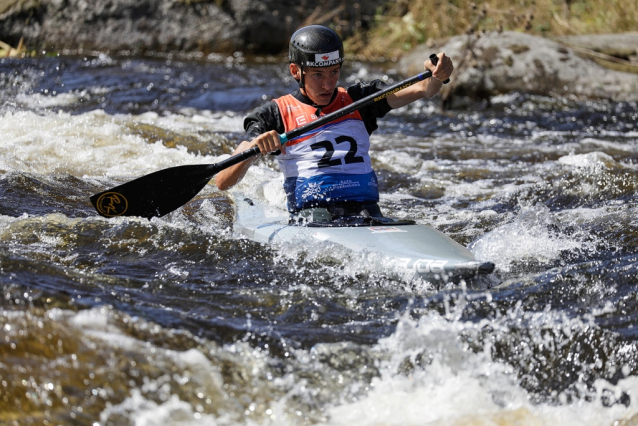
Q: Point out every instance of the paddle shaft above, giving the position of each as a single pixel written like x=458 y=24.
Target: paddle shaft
x=166 y=190
x=361 y=103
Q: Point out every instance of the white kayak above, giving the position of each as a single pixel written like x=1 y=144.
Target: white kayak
x=410 y=246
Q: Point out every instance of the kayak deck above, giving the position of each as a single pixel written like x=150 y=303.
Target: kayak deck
x=413 y=247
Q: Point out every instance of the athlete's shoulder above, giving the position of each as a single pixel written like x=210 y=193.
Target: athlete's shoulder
x=262 y=119
x=376 y=110
x=362 y=89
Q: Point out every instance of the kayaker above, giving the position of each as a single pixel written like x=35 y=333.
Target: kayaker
x=328 y=167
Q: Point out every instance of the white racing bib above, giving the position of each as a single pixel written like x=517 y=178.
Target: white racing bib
x=329 y=164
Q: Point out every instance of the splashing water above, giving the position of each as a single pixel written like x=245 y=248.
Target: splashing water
x=180 y=321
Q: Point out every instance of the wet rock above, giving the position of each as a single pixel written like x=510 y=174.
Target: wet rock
x=260 y=26
x=118 y=24
x=497 y=63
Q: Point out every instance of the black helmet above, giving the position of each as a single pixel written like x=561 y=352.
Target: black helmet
x=316 y=46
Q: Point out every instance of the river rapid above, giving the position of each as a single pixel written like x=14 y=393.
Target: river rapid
x=179 y=321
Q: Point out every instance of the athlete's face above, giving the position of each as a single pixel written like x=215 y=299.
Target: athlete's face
x=319 y=83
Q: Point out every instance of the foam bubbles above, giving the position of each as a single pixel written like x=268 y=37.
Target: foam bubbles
x=530 y=236
x=39 y=100
x=591 y=159
x=139 y=410
x=429 y=375
x=91 y=144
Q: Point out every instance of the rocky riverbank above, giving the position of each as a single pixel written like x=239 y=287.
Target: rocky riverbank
x=259 y=26
x=486 y=65
x=496 y=63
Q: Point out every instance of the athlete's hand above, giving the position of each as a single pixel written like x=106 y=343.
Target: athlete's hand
x=268 y=142
x=443 y=69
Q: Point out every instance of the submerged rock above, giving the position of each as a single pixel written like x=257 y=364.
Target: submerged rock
x=497 y=63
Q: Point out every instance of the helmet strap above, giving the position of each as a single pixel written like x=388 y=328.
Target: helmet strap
x=301 y=82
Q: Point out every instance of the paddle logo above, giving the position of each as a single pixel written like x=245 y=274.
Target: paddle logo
x=111 y=204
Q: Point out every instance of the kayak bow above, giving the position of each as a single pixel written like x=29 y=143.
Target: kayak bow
x=407 y=245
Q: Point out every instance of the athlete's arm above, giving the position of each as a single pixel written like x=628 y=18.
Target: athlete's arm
x=426 y=88
x=268 y=142
x=263 y=126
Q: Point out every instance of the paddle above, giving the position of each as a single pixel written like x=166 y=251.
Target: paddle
x=161 y=192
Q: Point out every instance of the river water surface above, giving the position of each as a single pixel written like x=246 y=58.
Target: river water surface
x=179 y=321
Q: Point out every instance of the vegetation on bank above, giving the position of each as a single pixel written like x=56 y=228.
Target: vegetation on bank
x=403 y=24
x=7 y=51
x=400 y=25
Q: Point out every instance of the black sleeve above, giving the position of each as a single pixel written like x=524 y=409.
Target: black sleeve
x=263 y=119
x=370 y=113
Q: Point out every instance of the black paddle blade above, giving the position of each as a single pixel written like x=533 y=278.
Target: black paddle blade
x=156 y=194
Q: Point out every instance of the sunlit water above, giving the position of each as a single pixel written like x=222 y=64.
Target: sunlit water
x=179 y=321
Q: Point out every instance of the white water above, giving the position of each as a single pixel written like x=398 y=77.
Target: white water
x=457 y=387
x=97 y=144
